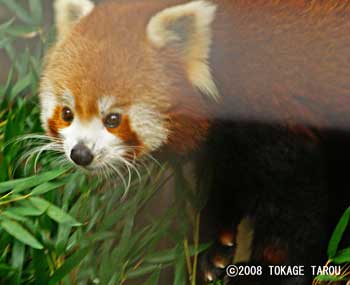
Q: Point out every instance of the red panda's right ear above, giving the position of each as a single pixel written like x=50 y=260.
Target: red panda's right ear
x=69 y=12
x=187 y=28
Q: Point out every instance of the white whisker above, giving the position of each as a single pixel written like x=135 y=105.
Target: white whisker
x=115 y=169
x=31 y=138
x=38 y=144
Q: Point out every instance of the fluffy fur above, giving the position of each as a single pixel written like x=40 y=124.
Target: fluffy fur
x=69 y=12
x=188 y=26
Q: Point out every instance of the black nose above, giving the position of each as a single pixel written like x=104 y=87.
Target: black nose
x=81 y=155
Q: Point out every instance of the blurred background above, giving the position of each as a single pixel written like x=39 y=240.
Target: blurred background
x=6 y=14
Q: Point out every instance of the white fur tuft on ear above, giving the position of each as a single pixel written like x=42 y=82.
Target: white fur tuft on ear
x=188 y=28
x=68 y=12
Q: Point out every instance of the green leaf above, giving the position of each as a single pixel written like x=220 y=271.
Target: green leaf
x=338 y=234
x=46 y=187
x=17 y=260
x=329 y=278
x=4 y=42
x=63 y=234
x=25 y=211
x=18 y=10
x=166 y=256
x=25 y=183
x=6 y=25
x=12 y=216
x=69 y=265
x=55 y=213
x=5 y=268
x=10 y=51
x=154 y=278
x=7 y=84
x=20 y=233
x=180 y=266
x=22 y=31
x=41 y=268
x=126 y=237
x=342 y=256
x=36 y=10
x=142 y=270
x=21 y=85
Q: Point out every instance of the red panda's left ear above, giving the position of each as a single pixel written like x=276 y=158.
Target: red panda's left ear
x=69 y=12
x=187 y=27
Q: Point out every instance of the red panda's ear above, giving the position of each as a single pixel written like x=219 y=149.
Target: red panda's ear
x=187 y=27
x=68 y=12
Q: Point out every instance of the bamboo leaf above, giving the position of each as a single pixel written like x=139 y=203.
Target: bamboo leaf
x=46 y=187
x=18 y=10
x=154 y=278
x=22 y=31
x=180 y=266
x=169 y=255
x=25 y=211
x=338 y=234
x=69 y=265
x=55 y=213
x=6 y=25
x=36 y=10
x=20 y=86
x=142 y=270
x=25 y=183
x=20 y=233
x=41 y=272
x=342 y=256
x=12 y=216
x=329 y=278
x=17 y=260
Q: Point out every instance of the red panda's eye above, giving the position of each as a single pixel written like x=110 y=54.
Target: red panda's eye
x=112 y=120
x=67 y=115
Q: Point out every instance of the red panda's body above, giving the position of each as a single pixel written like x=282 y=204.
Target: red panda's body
x=249 y=85
x=290 y=64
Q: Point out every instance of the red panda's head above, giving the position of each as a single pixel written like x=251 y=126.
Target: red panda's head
x=127 y=78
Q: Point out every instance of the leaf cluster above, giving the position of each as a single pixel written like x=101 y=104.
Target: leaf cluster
x=59 y=225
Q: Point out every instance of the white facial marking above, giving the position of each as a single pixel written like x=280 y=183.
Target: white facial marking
x=48 y=104
x=105 y=103
x=148 y=125
x=94 y=135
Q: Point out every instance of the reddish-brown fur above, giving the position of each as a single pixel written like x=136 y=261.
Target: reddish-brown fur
x=283 y=64
x=272 y=60
x=124 y=132
x=275 y=254
x=56 y=122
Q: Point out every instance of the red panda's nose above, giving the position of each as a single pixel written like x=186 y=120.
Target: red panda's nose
x=81 y=155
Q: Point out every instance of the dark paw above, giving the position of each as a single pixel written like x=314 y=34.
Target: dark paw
x=215 y=260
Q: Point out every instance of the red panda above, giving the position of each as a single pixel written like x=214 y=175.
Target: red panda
x=291 y=64
x=129 y=78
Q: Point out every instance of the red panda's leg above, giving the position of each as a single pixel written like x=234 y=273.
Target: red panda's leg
x=223 y=212
x=214 y=261
x=277 y=178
